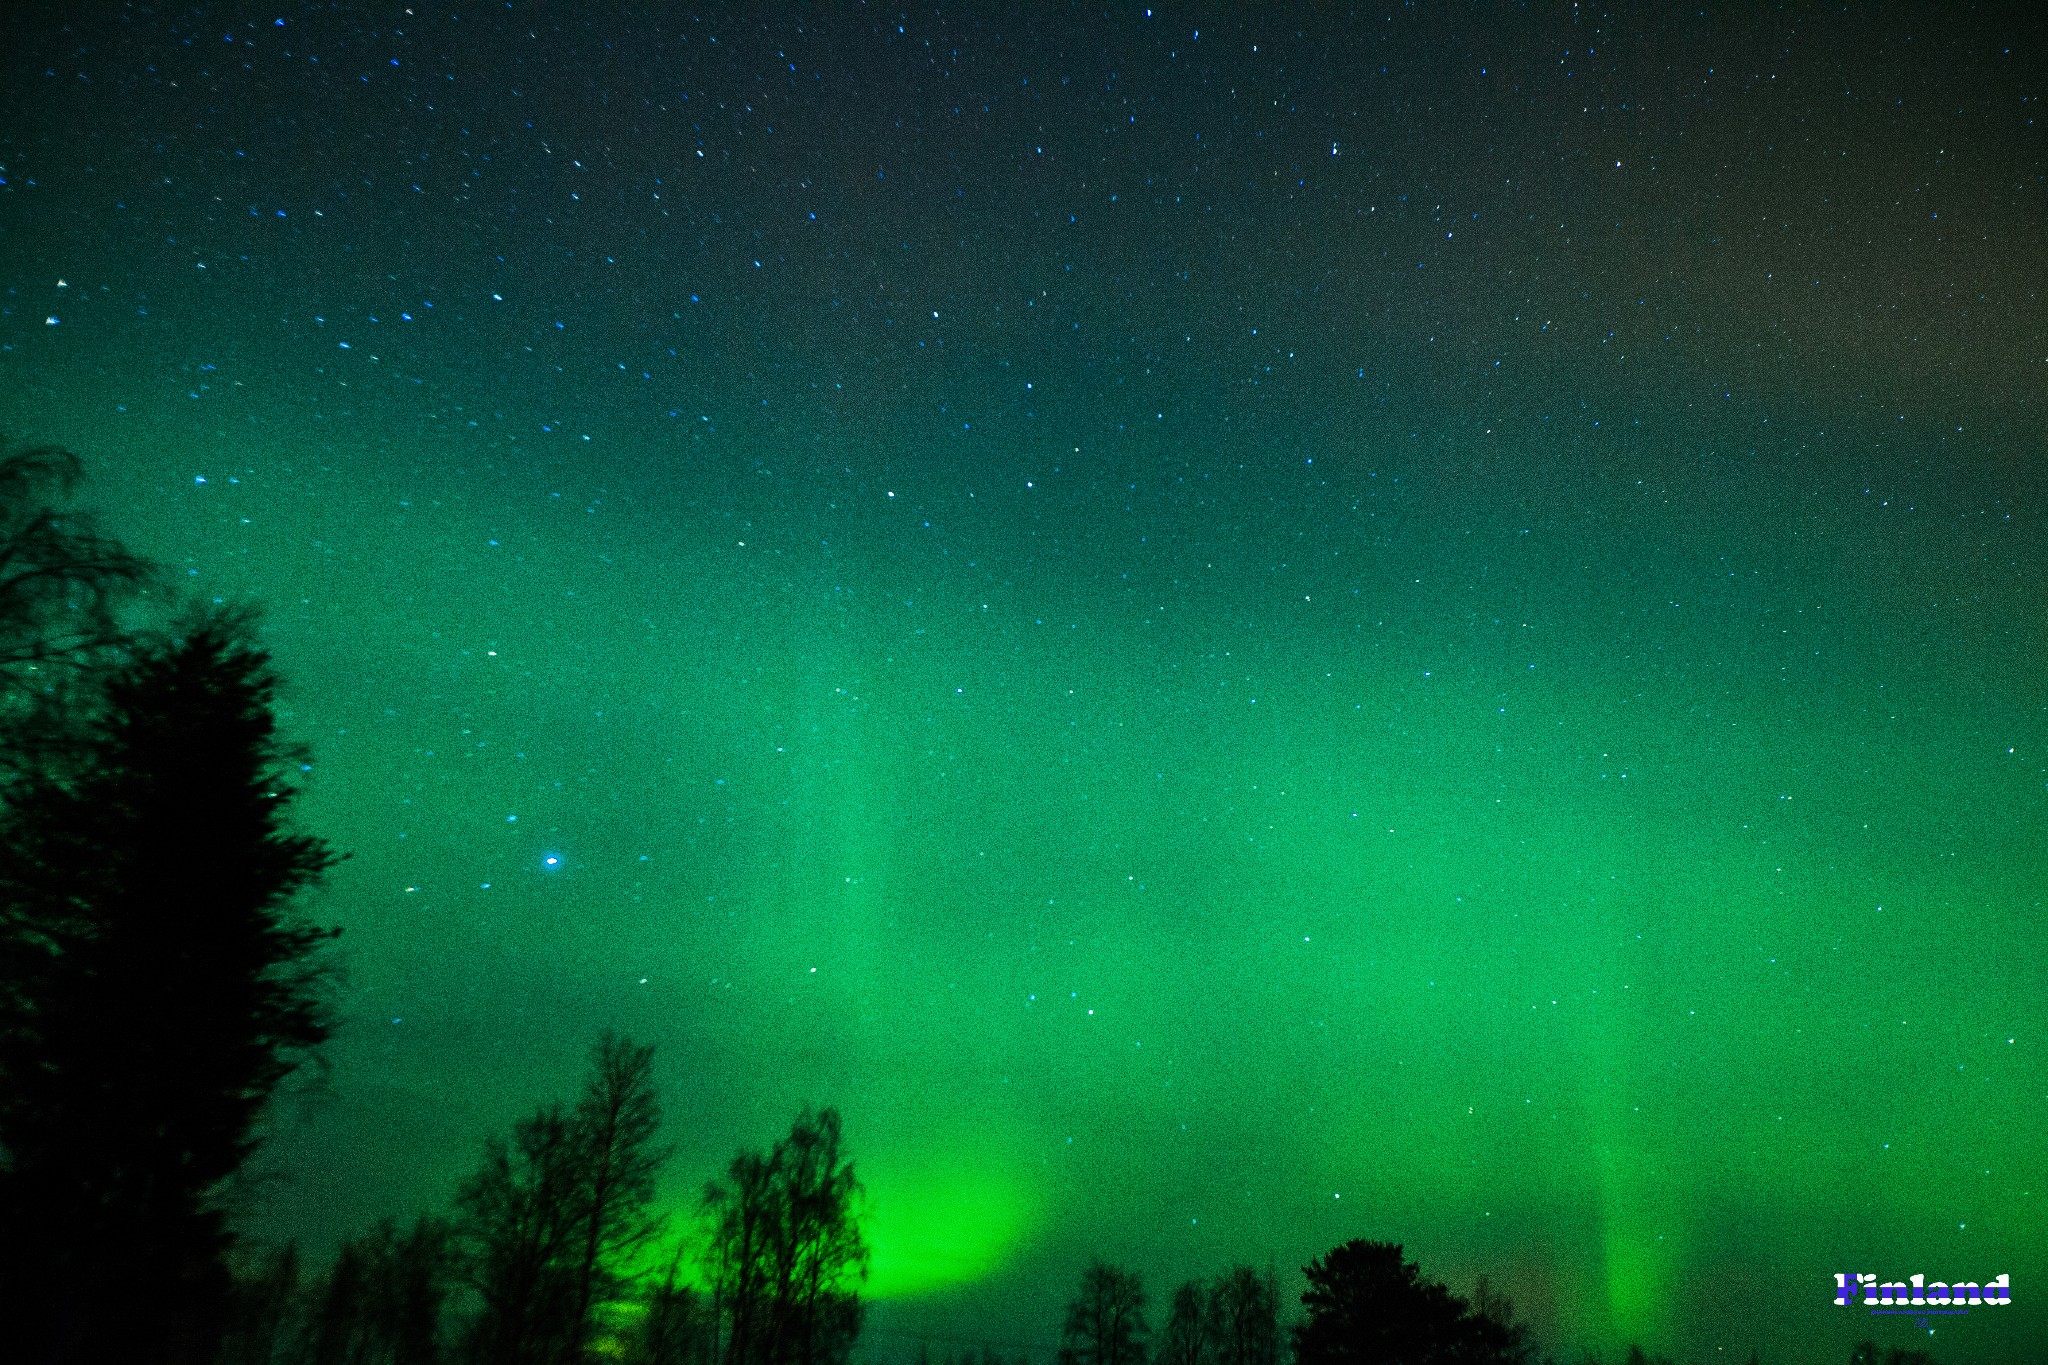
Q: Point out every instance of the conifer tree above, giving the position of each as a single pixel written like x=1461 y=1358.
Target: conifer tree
x=158 y=986
x=1369 y=1305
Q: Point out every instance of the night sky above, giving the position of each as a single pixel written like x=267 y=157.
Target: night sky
x=1230 y=635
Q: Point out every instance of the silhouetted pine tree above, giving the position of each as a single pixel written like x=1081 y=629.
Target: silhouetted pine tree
x=62 y=584
x=1367 y=1305
x=381 y=1301
x=409 y=1280
x=338 y=1331
x=157 y=989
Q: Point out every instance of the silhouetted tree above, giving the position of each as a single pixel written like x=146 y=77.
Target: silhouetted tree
x=1106 y=1322
x=1187 y=1328
x=380 y=1302
x=61 y=581
x=62 y=584
x=409 y=1281
x=742 y=1213
x=674 y=1326
x=338 y=1331
x=1244 y=1318
x=518 y=1217
x=787 y=1253
x=1367 y=1305
x=265 y=1300
x=1869 y=1353
x=821 y=1246
x=546 y=1225
x=1496 y=1328
x=155 y=988
x=616 y=1124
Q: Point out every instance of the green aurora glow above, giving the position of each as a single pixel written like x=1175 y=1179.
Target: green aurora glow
x=1582 y=819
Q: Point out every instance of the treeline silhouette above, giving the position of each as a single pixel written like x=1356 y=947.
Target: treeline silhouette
x=159 y=983
x=552 y=1253
x=1365 y=1304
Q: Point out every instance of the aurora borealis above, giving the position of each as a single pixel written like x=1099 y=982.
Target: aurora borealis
x=1401 y=624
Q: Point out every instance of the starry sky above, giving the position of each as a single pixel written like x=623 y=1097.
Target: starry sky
x=1422 y=623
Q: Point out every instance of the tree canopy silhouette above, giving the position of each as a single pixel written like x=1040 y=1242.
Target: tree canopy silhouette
x=616 y=1124
x=1244 y=1318
x=380 y=1303
x=551 y=1219
x=787 y=1252
x=158 y=987
x=1186 y=1340
x=674 y=1326
x=1869 y=1353
x=1106 y=1321
x=1368 y=1305
x=61 y=580
x=517 y=1216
